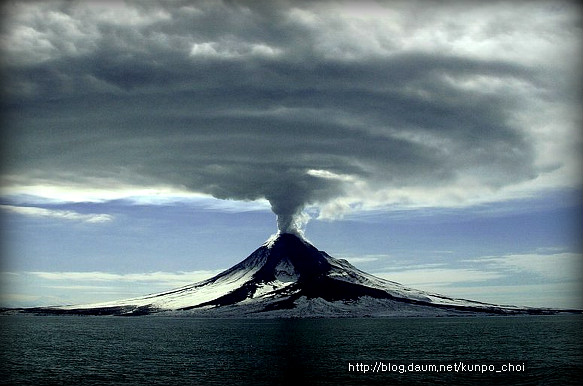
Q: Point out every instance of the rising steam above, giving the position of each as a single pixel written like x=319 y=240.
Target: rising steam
x=292 y=194
x=288 y=207
x=294 y=223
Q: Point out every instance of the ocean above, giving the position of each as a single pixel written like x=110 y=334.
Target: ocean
x=93 y=350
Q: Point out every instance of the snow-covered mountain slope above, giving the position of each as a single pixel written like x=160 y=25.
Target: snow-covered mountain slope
x=289 y=277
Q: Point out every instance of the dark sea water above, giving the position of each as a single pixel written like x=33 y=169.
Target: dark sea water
x=74 y=350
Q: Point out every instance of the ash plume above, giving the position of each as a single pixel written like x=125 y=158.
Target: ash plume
x=286 y=102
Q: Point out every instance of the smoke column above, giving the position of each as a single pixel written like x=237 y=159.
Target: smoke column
x=288 y=205
x=294 y=223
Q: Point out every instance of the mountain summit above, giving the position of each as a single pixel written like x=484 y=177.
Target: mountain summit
x=289 y=277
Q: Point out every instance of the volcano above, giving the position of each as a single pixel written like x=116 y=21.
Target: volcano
x=289 y=277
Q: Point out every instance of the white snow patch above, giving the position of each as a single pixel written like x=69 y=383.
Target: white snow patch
x=267 y=290
x=271 y=240
x=188 y=296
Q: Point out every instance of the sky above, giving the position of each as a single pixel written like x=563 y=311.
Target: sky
x=149 y=145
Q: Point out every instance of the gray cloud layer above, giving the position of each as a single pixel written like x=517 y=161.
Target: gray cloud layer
x=299 y=103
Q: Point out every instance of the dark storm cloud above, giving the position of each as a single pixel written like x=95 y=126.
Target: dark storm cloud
x=297 y=103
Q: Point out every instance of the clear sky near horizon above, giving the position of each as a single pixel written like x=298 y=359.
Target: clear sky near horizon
x=149 y=145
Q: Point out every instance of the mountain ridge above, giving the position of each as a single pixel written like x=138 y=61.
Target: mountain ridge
x=289 y=277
